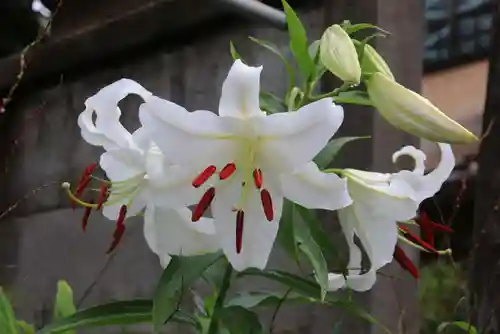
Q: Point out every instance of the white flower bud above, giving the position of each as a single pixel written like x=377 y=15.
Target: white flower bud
x=413 y=113
x=372 y=61
x=338 y=54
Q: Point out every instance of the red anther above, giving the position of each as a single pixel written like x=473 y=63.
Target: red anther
x=257 y=178
x=204 y=176
x=416 y=239
x=267 y=204
x=240 y=217
x=441 y=227
x=425 y=226
x=90 y=169
x=227 y=171
x=103 y=195
x=203 y=205
x=119 y=229
x=405 y=262
x=86 y=215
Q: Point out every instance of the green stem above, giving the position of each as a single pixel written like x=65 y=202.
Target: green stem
x=219 y=303
x=333 y=93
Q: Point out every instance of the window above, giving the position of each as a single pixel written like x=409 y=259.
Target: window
x=457 y=31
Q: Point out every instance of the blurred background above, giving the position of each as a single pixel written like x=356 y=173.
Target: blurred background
x=53 y=55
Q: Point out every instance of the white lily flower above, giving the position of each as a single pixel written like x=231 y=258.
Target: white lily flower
x=138 y=172
x=354 y=278
x=171 y=232
x=243 y=153
x=381 y=200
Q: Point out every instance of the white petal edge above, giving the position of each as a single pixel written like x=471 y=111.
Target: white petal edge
x=240 y=92
x=107 y=130
x=290 y=140
x=313 y=189
x=170 y=232
x=259 y=234
x=197 y=139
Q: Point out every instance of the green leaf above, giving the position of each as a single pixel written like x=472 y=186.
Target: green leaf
x=25 y=328
x=298 y=41
x=286 y=234
x=233 y=51
x=330 y=151
x=337 y=327
x=238 y=320
x=179 y=275
x=265 y=298
x=64 y=305
x=311 y=249
x=353 y=97
x=354 y=309
x=7 y=318
x=317 y=232
x=116 y=313
x=303 y=286
x=271 y=103
x=274 y=49
x=459 y=324
x=352 y=28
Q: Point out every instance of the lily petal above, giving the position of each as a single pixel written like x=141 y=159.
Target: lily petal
x=416 y=154
x=374 y=220
x=107 y=130
x=424 y=186
x=171 y=232
x=258 y=233
x=313 y=189
x=122 y=164
x=304 y=132
x=114 y=203
x=240 y=92
x=197 y=139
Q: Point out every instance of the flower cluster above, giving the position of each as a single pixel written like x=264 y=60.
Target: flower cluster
x=217 y=181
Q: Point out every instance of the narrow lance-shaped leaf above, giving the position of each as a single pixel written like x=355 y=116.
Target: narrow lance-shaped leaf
x=179 y=275
x=353 y=97
x=267 y=299
x=239 y=320
x=274 y=49
x=311 y=249
x=305 y=287
x=286 y=233
x=116 y=313
x=330 y=151
x=25 y=328
x=233 y=51
x=324 y=241
x=64 y=305
x=465 y=326
x=7 y=318
x=298 y=41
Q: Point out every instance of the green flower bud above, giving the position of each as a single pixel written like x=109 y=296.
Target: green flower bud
x=413 y=113
x=338 y=54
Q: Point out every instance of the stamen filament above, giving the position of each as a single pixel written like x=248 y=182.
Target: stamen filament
x=416 y=239
x=240 y=217
x=85 y=218
x=67 y=186
x=103 y=195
